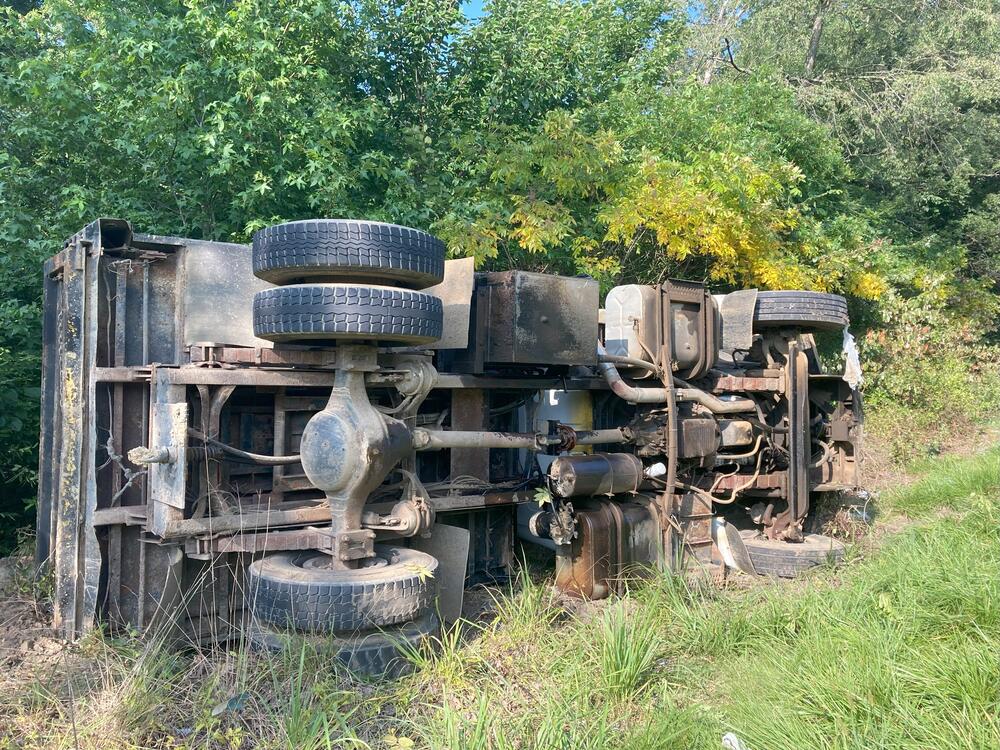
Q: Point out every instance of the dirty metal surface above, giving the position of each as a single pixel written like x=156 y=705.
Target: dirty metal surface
x=539 y=319
x=278 y=356
x=614 y=540
x=255 y=542
x=73 y=583
x=799 y=446
x=217 y=292
x=51 y=410
x=455 y=293
x=688 y=329
x=450 y=546
x=771 y=481
x=167 y=482
x=470 y=410
x=690 y=530
x=720 y=383
x=736 y=310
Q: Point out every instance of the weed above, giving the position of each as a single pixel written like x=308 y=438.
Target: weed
x=442 y=657
x=628 y=641
x=528 y=605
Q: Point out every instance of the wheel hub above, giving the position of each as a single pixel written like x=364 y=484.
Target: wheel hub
x=326 y=562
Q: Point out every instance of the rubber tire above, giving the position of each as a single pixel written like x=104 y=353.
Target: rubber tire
x=374 y=653
x=789 y=559
x=284 y=594
x=816 y=311
x=303 y=312
x=344 y=250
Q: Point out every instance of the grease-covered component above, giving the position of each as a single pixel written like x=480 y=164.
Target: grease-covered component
x=597 y=474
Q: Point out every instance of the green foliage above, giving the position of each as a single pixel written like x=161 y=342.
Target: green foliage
x=912 y=92
x=927 y=368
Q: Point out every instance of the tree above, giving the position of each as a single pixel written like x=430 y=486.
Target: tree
x=912 y=91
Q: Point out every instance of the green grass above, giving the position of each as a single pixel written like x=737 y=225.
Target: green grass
x=947 y=482
x=900 y=652
x=899 y=649
x=628 y=643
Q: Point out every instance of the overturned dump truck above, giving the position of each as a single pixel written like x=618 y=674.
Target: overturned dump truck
x=336 y=431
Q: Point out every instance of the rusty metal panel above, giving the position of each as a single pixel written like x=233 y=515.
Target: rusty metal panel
x=720 y=383
x=614 y=540
x=309 y=537
x=536 y=318
x=75 y=552
x=773 y=481
x=697 y=437
x=287 y=355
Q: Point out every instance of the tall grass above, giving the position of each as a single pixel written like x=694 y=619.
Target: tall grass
x=947 y=483
x=628 y=642
x=897 y=650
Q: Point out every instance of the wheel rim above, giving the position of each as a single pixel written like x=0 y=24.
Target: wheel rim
x=322 y=561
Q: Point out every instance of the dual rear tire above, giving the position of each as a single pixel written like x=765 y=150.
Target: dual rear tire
x=347 y=280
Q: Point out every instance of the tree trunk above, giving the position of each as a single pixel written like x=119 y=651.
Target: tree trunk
x=817 y=32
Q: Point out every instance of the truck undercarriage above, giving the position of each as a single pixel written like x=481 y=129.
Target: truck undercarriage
x=338 y=431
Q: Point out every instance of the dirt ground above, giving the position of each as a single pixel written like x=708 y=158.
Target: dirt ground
x=27 y=641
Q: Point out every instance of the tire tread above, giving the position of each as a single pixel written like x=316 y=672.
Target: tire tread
x=803 y=309
x=788 y=559
x=314 y=606
x=347 y=311
x=344 y=248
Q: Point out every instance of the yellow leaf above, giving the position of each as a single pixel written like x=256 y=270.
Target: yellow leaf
x=422 y=571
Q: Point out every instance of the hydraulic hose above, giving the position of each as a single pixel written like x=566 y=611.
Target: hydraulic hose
x=623 y=390
x=628 y=362
x=686 y=392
